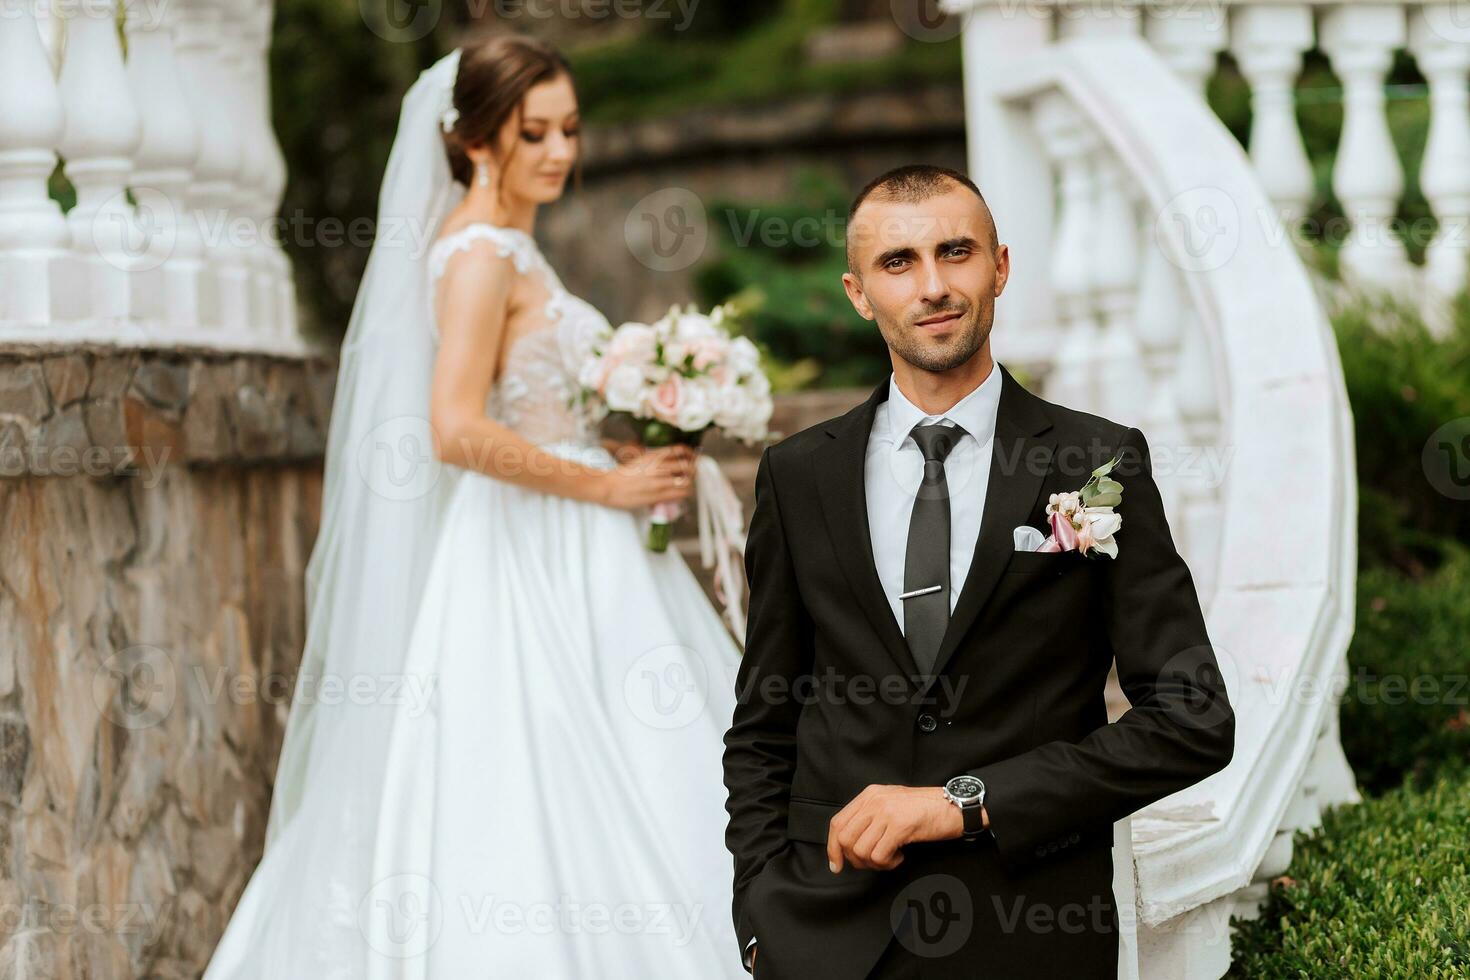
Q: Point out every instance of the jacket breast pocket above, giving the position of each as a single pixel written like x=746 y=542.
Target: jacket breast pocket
x=1044 y=562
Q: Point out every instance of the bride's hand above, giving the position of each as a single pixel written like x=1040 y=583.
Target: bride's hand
x=655 y=476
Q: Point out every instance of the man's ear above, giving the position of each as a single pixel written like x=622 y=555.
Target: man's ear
x=856 y=296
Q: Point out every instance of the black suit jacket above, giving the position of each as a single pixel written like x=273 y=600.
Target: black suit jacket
x=829 y=700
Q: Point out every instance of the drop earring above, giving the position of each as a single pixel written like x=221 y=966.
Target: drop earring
x=482 y=174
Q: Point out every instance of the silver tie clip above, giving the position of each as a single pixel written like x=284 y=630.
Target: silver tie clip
x=910 y=595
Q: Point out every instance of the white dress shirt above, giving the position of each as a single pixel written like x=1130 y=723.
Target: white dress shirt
x=894 y=468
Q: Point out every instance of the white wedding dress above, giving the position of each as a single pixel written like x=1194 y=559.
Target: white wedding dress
x=554 y=806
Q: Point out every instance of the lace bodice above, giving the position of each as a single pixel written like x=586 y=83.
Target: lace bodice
x=535 y=393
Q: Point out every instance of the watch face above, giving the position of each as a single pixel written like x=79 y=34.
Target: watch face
x=964 y=787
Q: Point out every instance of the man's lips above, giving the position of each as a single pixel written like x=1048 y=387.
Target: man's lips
x=936 y=320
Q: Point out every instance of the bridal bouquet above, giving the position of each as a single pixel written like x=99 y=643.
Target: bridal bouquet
x=675 y=379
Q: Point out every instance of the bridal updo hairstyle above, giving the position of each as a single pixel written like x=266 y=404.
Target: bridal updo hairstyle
x=494 y=76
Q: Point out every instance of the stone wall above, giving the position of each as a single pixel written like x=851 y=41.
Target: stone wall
x=157 y=512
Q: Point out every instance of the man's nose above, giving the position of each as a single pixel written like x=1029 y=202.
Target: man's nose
x=933 y=289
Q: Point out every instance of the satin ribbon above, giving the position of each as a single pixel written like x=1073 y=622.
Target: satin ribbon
x=722 y=540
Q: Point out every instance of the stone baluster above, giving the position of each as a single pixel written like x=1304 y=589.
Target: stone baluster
x=1439 y=37
x=39 y=280
x=1199 y=501
x=236 y=52
x=211 y=193
x=1164 y=309
x=1189 y=41
x=1368 y=178
x=163 y=165
x=275 y=287
x=1071 y=146
x=103 y=130
x=1267 y=42
x=1122 y=381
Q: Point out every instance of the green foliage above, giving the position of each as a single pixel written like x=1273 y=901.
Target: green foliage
x=1319 y=116
x=786 y=261
x=1403 y=384
x=1406 y=711
x=1380 y=892
x=336 y=90
x=755 y=59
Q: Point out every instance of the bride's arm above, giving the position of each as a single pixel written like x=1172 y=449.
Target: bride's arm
x=475 y=302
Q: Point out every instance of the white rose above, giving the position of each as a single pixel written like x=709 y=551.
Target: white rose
x=731 y=406
x=633 y=342
x=693 y=326
x=696 y=408
x=745 y=357
x=624 y=391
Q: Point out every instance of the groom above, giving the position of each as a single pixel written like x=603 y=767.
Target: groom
x=922 y=777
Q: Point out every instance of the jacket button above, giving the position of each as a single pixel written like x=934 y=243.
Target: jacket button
x=1041 y=852
x=927 y=723
x=1074 y=838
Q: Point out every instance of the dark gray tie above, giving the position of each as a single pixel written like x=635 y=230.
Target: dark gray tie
x=926 y=563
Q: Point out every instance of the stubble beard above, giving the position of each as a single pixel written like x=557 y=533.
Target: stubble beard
x=938 y=358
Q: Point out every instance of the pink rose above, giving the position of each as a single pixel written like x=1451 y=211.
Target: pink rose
x=666 y=399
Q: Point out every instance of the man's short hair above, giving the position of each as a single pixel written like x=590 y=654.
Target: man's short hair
x=910 y=184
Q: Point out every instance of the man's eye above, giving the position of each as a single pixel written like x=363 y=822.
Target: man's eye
x=959 y=250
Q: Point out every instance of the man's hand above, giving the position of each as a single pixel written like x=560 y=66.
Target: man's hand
x=871 y=831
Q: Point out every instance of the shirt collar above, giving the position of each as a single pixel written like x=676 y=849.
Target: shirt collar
x=975 y=412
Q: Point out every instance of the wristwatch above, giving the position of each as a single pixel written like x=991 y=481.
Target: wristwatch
x=968 y=793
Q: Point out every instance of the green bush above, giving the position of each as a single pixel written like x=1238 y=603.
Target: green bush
x=786 y=261
x=1380 y=891
x=1403 y=385
x=1405 y=710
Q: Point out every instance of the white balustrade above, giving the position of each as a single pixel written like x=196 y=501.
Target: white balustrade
x=1268 y=43
x=103 y=131
x=163 y=164
x=40 y=281
x=1267 y=40
x=176 y=169
x=1367 y=176
x=1439 y=37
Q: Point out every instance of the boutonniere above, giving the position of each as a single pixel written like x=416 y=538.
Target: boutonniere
x=1084 y=520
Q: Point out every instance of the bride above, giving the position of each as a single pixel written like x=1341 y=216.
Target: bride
x=517 y=771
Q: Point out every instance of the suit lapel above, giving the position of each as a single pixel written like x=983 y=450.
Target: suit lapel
x=842 y=486
x=1020 y=459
